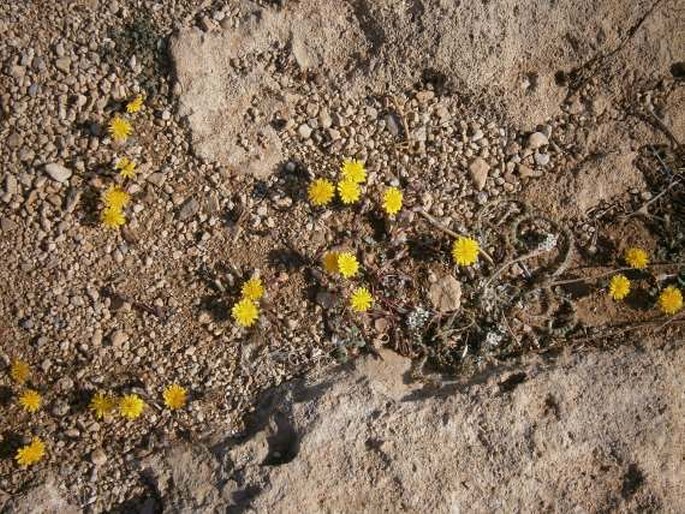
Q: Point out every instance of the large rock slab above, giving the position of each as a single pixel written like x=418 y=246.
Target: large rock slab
x=586 y=432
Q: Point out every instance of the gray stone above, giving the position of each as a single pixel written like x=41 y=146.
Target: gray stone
x=541 y=159
x=536 y=140
x=57 y=172
x=445 y=294
x=478 y=170
x=189 y=209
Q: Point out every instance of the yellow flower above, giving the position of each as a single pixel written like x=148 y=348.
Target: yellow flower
x=636 y=258
x=131 y=406
x=253 y=289
x=126 y=167
x=465 y=251
x=619 y=287
x=330 y=262
x=120 y=129
x=361 y=300
x=353 y=171
x=134 y=105
x=670 y=300
x=175 y=397
x=348 y=266
x=102 y=404
x=321 y=192
x=245 y=312
x=349 y=191
x=116 y=198
x=31 y=453
x=392 y=201
x=20 y=371
x=112 y=218
x=30 y=400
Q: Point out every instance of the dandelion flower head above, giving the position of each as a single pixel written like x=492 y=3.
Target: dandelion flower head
x=348 y=266
x=120 y=129
x=126 y=168
x=670 y=300
x=131 y=406
x=330 y=262
x=465 y=251
x=245 y=312
x=20 y=371
x=619 y=287
x=392 y=201
x=253 y=289
x=175 y=397
x=321 y=192
x=361 y=300
x=31 y=453
x=30 y=400
x=349 y=191
x=116 y=198
x=112 y=218
x=636 y=258
x=353 y=170
x=102 y=404
x=135 y=104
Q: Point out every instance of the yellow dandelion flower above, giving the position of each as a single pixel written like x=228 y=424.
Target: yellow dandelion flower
x=392 y=201
x=112 y=218
x=330 y=262
x=670 y=300
x=175 y=397
x=245 y=312
x=126 y=168
x=20 y=371
x=321 y=192
x=619 y=287
x=115 y=198
x=348 y=266
x=465 y=251
x=30 y=400
x=361 y=300
x=349 y=192
x=253 y=289
x=31 y=453
x=353 y=171
x=135 y=104
x=120 y=129
x=636 y=258
x=131 y=406
x=102 y=404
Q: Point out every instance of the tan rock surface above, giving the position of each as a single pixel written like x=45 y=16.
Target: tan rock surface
x=588 y=432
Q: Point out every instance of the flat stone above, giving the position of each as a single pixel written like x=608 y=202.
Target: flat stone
x=7 y=224
x=478 y=170
x=188 y=209
x=305 y=131
x=445 y=294
x=98 y=457
x=63 y=64
x=118 y=338
x=527 y=172
x=57 y=172
x=11 y=184
x=536 y=140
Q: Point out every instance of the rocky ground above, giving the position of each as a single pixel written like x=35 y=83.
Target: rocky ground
x=563 y=128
